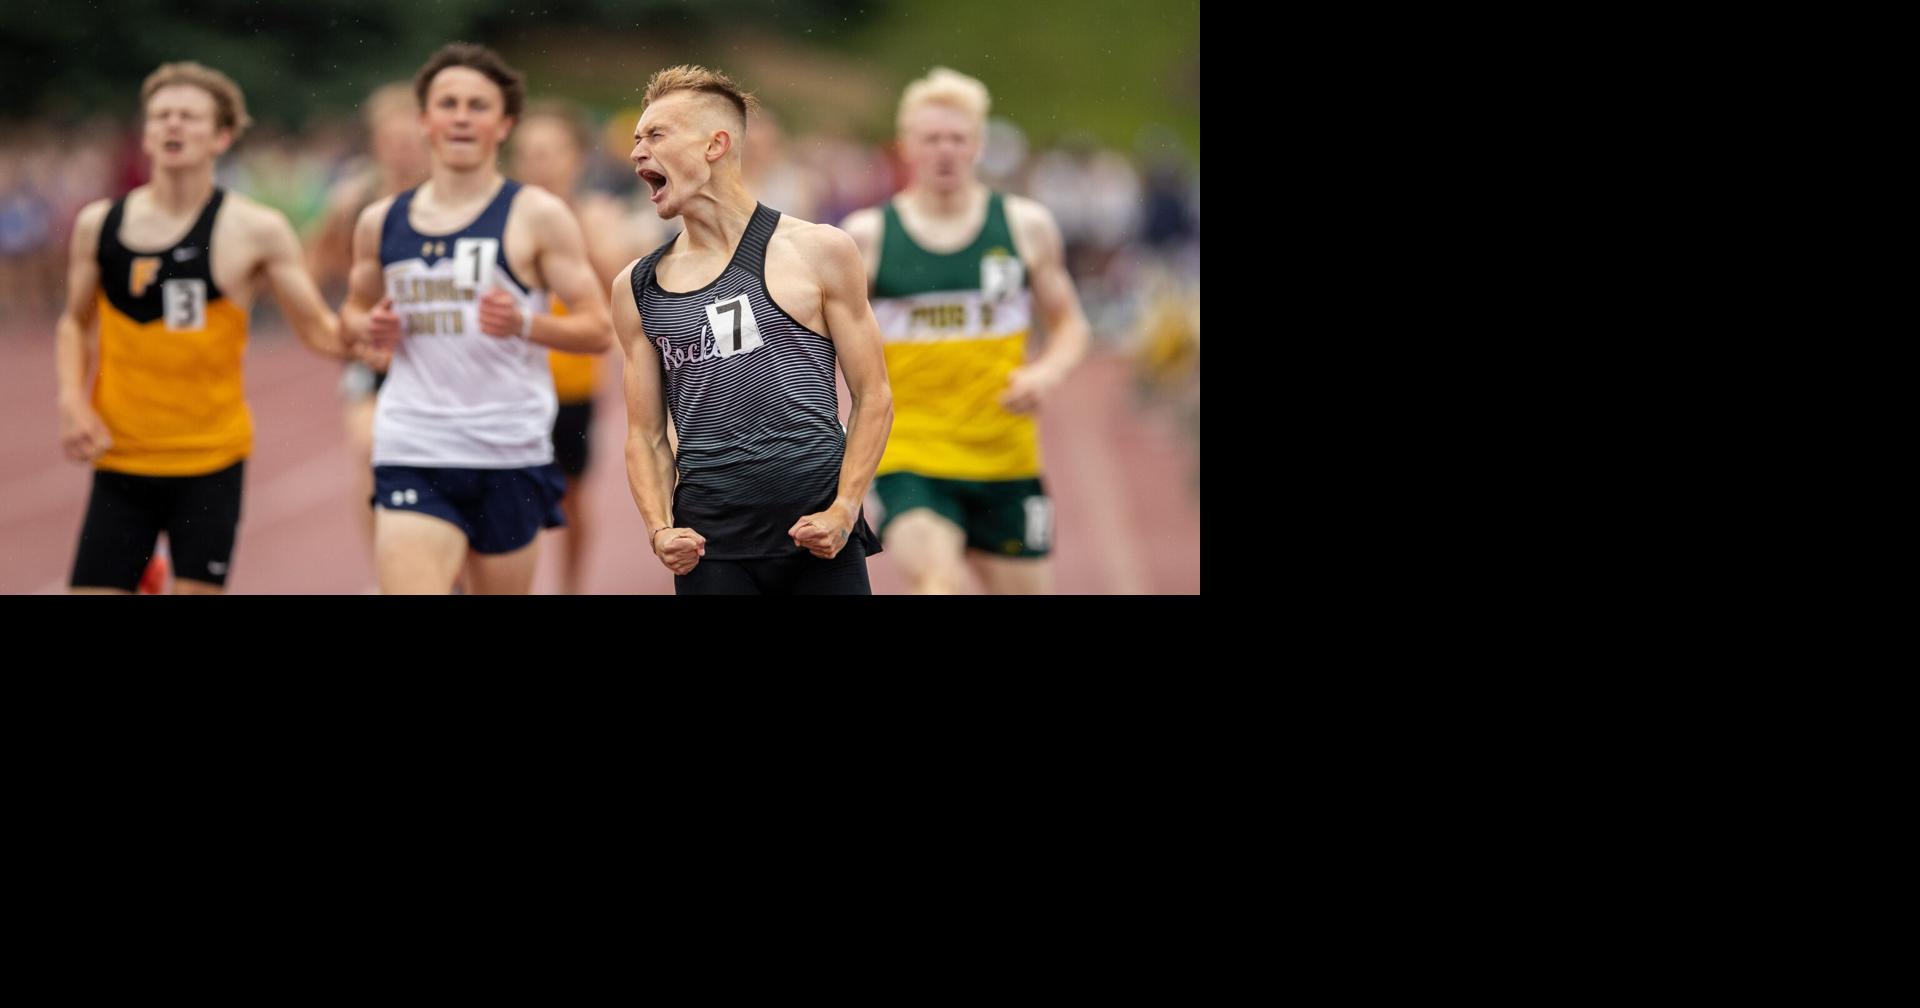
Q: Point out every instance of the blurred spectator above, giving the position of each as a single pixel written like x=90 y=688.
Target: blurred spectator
x=772 y=174
x=1095 y=194
x=1005 y=155
x=550 y=148
x=1169 y=205
x=1130 y=224
x=25 y=234
x=852 y=174
x=395 y=160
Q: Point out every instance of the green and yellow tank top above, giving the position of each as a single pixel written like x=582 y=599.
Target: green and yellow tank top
x=955 y=326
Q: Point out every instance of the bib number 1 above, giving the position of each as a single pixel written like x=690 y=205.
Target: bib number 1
x=473 y=261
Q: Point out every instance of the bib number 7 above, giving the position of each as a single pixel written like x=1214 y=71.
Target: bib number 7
x=734 y=329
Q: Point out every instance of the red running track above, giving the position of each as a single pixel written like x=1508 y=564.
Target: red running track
x=1124 y=485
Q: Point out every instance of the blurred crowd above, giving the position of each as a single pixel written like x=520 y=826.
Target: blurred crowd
x=1130 y=219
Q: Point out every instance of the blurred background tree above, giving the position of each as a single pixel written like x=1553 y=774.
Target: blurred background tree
x=1107 y=69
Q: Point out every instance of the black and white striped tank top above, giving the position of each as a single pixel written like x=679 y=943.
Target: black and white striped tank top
x=753 y=400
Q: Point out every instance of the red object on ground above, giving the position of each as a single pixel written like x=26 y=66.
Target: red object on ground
x=154 y=581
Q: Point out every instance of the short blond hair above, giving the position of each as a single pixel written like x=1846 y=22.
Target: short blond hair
x=946 y=87
x=230 y=106
x=686 y=77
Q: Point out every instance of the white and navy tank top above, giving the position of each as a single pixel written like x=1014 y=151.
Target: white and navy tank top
x=754 y=402
x=456 y=397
